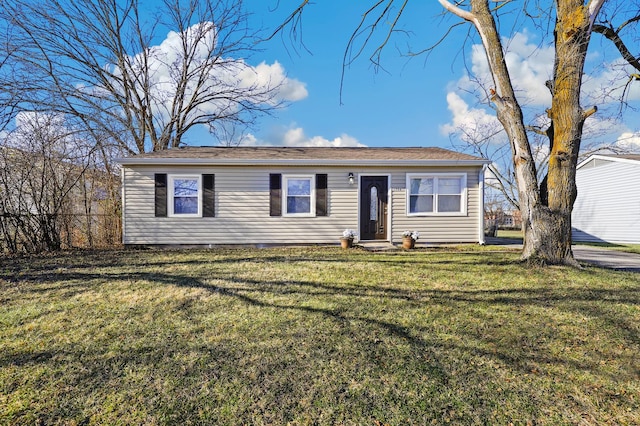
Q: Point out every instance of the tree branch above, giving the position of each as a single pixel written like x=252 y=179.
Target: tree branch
x=614 y=36
x=594 y=8
x=464 y=14
x=293 y=16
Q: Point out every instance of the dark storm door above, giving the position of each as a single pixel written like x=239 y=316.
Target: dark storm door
x=373 y=208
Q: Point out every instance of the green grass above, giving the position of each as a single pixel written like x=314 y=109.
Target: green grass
x=509 y=233
x=315 y=336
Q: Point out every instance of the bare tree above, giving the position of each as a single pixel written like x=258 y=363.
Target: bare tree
x=545 y=204
x=95 y=62
x=54 y=191
x=39 y=171
x=124 y=78
x=488 y=140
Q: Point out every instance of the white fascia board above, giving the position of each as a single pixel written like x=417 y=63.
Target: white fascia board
x=294 y=162
x=606 y=158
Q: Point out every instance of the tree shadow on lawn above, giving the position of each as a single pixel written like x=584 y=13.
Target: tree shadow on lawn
x=72 y=278
x=260 y=293
x=371 y=327
x=51 y=262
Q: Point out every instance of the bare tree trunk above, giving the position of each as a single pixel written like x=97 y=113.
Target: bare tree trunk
x=551 y=224
x=546 y=209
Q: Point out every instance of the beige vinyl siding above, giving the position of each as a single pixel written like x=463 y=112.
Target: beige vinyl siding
x=438 y=229
x=242 y=208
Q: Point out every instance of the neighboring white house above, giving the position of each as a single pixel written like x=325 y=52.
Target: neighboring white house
x=278 y=195
x=607 y=208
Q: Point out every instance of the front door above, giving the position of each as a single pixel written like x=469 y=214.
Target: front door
x=373 y=208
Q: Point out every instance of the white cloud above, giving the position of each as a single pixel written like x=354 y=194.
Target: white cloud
x=609 y=83
x=265 y=75
x=470 y=124
x=530 y=66
x=232 y=77
x=296 y=137
x=33 y=119
x=629 y=141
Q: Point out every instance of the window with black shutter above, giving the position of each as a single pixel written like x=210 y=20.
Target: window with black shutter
x=275 y=194
x=322 y=199
x=208 y=195
x=160 y=194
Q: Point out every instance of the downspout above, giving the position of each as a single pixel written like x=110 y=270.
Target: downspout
x=124 y=203
x=481 y=239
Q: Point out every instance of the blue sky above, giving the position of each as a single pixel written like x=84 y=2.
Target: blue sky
x=402 y=105
x=419 y=101
x=439 y=99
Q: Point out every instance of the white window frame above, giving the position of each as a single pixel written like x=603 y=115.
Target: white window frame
x=285 y=195
x=171 y=192
x=435 y=177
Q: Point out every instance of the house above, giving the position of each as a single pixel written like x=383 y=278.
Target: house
x=501 y=219
x=607 y=208
x=285 y=195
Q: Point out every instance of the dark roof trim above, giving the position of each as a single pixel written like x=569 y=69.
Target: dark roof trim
x=306 y=156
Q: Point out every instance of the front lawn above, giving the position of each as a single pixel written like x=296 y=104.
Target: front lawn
x=315 y=336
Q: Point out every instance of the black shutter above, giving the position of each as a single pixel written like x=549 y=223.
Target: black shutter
x=161 y=194
x=321 y=195
x=208 y=195
x=275 y=194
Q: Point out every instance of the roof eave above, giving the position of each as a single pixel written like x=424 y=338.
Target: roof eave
x=606 y=158
x=133 y=161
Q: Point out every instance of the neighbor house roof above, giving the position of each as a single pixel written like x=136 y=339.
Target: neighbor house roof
x=304 y=155
x=621 y=158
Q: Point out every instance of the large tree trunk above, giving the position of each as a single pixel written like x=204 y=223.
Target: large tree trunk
x=548 y=237
x=546 y=210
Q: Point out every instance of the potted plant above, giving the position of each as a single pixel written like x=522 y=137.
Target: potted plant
x=347 y=238
x=409 y=239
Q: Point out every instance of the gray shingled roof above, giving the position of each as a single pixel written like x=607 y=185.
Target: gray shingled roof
x=303 y=155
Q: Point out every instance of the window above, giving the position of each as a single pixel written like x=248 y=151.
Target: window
x=373 y=203
x=184 y=195
x=299 y=195
x=436 y=194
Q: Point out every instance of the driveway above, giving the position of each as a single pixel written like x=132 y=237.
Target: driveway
x=607 y=258
x=598 y=256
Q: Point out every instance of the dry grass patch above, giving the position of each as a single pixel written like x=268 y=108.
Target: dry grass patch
x=315 y=336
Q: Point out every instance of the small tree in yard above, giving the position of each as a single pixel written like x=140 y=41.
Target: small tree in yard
x=141 y=77
x=545 y=204
x=124 y=77
x=37 y=175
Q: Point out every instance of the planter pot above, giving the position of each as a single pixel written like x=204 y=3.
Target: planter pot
x=346 y=242
x=408 y=243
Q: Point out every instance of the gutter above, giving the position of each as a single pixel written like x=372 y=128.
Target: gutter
x=295 y=162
